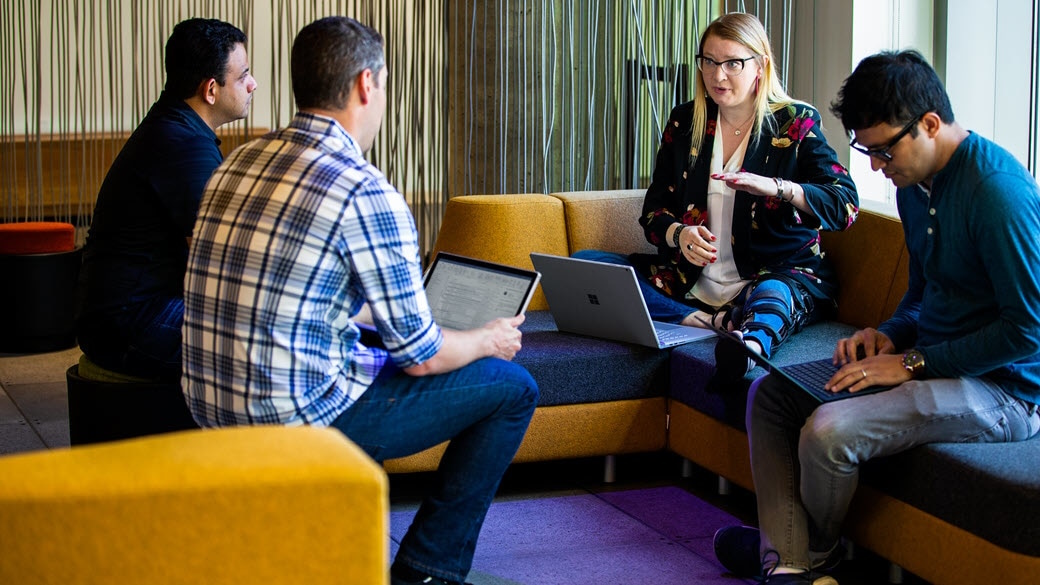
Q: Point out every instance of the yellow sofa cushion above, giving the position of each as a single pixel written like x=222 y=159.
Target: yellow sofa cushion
x=242 y=505
x=504 y=229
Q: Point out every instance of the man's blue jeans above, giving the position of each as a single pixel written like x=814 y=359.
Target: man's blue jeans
x=805 y=456
x=144 y=343
x=483 y=409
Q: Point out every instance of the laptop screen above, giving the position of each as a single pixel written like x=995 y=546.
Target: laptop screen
x=465 y=293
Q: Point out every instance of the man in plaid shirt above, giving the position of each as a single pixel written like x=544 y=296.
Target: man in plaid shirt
x=296 y=233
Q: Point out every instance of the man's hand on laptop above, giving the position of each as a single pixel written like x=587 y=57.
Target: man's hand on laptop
x=502 y=337
x=867 y=358
x=863 y=344
x=498 y=338
x=877 y=370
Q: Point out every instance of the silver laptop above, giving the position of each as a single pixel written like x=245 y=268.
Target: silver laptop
x=604 y=300
x=465 y=293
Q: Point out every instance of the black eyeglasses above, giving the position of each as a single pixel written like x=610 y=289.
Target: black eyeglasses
x=881 y=152
x=730 y=66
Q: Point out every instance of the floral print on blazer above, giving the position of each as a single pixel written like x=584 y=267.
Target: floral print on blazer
x=770 y=237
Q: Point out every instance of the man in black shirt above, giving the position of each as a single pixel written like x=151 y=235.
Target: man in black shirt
x=131 y=286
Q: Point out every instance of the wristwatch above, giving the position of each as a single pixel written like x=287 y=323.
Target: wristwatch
x=913 y=361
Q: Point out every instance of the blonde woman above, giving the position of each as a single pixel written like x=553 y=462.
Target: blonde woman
x=743 y=183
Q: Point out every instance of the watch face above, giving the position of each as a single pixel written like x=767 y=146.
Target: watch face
x=913 y=360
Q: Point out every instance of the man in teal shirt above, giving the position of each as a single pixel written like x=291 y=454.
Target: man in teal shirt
x=962 y=350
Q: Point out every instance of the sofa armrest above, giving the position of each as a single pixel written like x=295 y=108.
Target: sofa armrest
x=242 y=505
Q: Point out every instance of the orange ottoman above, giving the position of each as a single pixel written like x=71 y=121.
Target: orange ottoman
x=39 y=267
x=36 y=237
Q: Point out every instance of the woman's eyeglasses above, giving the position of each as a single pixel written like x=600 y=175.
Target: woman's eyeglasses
x=730 y=66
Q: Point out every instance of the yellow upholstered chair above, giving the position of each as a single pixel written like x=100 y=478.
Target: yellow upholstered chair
x=242 y=505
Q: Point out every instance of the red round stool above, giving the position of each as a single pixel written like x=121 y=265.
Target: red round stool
x=39 y=264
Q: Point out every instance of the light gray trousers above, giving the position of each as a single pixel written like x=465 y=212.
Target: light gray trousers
x=805 y=457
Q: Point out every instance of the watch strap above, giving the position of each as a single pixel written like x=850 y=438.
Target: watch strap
x=677 y=233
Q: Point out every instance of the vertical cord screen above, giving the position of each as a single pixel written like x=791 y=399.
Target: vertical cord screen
x=77 y=77
x=485 y=96
x=564 y=95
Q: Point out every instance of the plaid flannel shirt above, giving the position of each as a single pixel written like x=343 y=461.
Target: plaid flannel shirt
x=295 y=233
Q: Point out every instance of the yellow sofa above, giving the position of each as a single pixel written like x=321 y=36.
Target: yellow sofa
x=871 y=260
x=506 y=229
x=242 y=505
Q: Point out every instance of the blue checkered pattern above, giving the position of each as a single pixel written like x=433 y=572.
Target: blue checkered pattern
x=295 y=233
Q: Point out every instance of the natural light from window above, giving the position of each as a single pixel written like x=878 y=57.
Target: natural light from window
x=991 y=80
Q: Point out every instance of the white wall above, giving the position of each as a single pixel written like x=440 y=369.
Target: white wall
x=988 y=47
x=981 y=49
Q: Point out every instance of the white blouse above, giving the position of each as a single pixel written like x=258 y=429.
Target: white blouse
x=720 y=282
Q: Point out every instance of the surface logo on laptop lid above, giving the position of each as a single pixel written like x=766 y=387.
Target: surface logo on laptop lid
x=593 y=299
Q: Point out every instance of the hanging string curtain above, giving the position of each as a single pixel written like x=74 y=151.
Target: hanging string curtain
x=485 y=96
x=76 y=77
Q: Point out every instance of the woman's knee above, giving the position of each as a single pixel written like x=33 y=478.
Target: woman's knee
x=769 y=307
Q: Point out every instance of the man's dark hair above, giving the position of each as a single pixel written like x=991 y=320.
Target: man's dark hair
x=197 y=50
x=328 y=55
x=891 y=87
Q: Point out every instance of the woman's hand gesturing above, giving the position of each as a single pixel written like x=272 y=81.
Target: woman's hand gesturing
x=695 y=243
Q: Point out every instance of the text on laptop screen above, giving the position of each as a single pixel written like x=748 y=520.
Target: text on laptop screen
x=465 y=293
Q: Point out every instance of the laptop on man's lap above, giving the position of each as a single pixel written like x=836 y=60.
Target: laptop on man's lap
x=810 y=377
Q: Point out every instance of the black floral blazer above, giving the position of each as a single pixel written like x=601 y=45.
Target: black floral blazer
x=769 y=236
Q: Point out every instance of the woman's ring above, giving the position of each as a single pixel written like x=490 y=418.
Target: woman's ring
x=689 y=246
x=864 y=372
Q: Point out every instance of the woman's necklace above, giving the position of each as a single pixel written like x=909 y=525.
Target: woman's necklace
x=736 y=129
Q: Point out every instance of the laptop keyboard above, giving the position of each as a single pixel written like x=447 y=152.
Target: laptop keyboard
x=667 y=334
x=812 y=374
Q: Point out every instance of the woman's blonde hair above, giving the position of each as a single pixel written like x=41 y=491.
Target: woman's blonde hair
x=747 y=30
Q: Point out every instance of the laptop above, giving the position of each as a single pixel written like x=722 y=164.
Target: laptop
x=603 y=300
x=810 y=377
x=465 y=293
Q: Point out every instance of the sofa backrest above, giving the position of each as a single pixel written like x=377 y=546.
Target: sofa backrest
x=604 y=220
x=504 y=229
x=870 y=257
x=872 y=263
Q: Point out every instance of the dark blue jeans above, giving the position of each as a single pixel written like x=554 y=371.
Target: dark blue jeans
x=483 y=409
x=145 y=343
